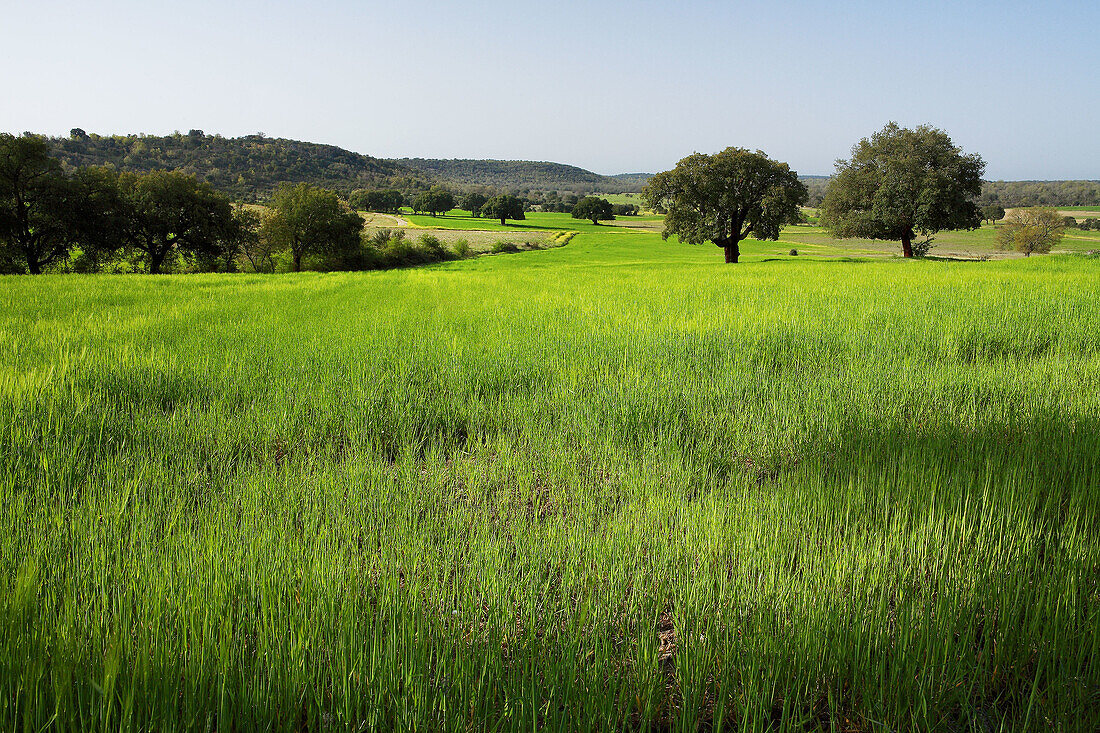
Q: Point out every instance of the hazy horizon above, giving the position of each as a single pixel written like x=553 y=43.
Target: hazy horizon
x=610 y=87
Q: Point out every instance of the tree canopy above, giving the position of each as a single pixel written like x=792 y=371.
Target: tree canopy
x=503 y=207
x=900 y=183
x=387 y=200
x=35 y=204
x=310 y=221
x=436 y=200
x=992 y=213
x=1031 y=230
x=166 y=212
x=473 y=202
x=593 y=208
x=725 y=197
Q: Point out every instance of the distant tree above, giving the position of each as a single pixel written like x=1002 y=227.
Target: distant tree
x=503 y=207
x=593 y=208
x=992 y=213
x=1090 y=223
x=309 y=220
x=725 y=197
x=169 y=212
x=1070 y=222
x=472 y=202
x=435 y=200
x=1032 y=230
x=902 y=182
x=625 y=209
x=36 y=204
x=387 y=201
x=77 y=134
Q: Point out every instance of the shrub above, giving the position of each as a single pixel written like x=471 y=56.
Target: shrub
x=462 y=249
x=501 y=247
x=794 y=253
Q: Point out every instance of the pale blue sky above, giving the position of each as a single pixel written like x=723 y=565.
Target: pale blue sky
x=610 y=86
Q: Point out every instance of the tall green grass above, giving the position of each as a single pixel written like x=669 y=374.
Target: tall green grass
x=610 y=485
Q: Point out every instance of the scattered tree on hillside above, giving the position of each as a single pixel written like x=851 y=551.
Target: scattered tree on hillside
x=725 y=197
x=593 y=208
x=625 y=209
x=1032 y=230
x=1070 y=222
x=309 y=220
x=473 y=202
x=503 y=207
x=902 y=182
x=435 y=200
x=993 y=213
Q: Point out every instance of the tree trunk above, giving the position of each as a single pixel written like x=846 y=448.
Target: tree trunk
x=907 y=245
x=155 y=262
x=502 y=221
x=297 y=262
x=732 y=253
x=33 y=266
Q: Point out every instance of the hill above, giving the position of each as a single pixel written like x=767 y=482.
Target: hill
x=245 y=167
x=522 y=175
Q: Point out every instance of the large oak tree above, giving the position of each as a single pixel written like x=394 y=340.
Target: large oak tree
x=169 y=212
x=900 y=183
x=594 y=208
x=725 y=197
x=503 y=207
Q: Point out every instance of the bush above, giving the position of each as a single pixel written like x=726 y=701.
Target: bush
x=388 y=249
x=794 y=253
x=1069 y=222
x=502 y=247
x=462 y=249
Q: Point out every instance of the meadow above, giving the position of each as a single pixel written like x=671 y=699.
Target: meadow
x=607 y=485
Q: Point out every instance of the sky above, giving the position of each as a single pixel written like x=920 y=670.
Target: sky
x=613 y=87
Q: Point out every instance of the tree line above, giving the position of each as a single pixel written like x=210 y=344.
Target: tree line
x=97 y=219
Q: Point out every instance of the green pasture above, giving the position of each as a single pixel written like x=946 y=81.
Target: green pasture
x=614 y=485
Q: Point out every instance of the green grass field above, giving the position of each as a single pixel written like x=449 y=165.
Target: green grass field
x=610 y=485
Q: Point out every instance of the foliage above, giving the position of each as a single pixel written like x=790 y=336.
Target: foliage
x=389 y=249
x=1031 y=230
x=625 y=209
x=247 y=168
x=593 y=208
x=1040 y=193
x=166 y=214
x=992 y=213
x=900 y=183
x=517 y=175
x=36 y=202
x=436 y=200
x=473 y=202
x=388 y=201
x=503 y=207
x=725 y=197
x=313 y=221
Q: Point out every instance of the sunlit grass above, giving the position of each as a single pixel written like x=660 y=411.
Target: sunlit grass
x=608 y=485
